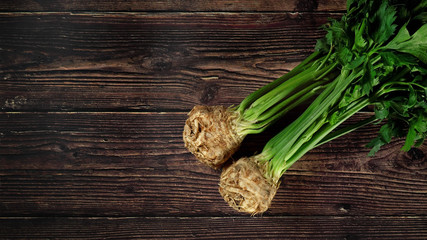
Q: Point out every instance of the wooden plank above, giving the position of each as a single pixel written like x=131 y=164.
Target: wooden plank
x=292 y=227
x=134 y=164
x=143 y=61
x=173 y=5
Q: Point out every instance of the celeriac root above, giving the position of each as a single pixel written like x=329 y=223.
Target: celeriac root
x=245 y=188
x=210 y=134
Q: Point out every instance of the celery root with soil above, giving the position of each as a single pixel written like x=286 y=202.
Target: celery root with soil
x=377 y=53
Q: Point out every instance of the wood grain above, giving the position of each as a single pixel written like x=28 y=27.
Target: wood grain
x=292 y=227
x=134 y=164
x=143 y=61
x=93 y=99
x=173 y=5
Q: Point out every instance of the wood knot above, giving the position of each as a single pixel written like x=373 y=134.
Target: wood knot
x=157 y=60
x=209 y=93
x=416 y=154
x=413 y=159
x=161 y=64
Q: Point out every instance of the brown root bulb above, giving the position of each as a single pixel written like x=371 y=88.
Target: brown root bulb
x=210 y=134
x=244 y=187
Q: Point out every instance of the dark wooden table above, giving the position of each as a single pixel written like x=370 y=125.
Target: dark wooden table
x=93 y=98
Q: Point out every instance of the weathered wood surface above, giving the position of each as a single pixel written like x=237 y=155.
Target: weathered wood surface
x=311 y=227
x=150 y=62
x=93 y=98
x=173 y=5
x=132 y=164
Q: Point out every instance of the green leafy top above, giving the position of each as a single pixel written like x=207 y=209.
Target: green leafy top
x=392 y=62
x=381 y=48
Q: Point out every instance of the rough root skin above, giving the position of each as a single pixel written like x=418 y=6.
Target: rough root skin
x=210 y=134
x=244 y=187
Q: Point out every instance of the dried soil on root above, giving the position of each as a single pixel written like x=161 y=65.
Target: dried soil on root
x=210 y=134
x=244 y=187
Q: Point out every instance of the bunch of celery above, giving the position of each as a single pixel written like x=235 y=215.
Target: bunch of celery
x=377 y=53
